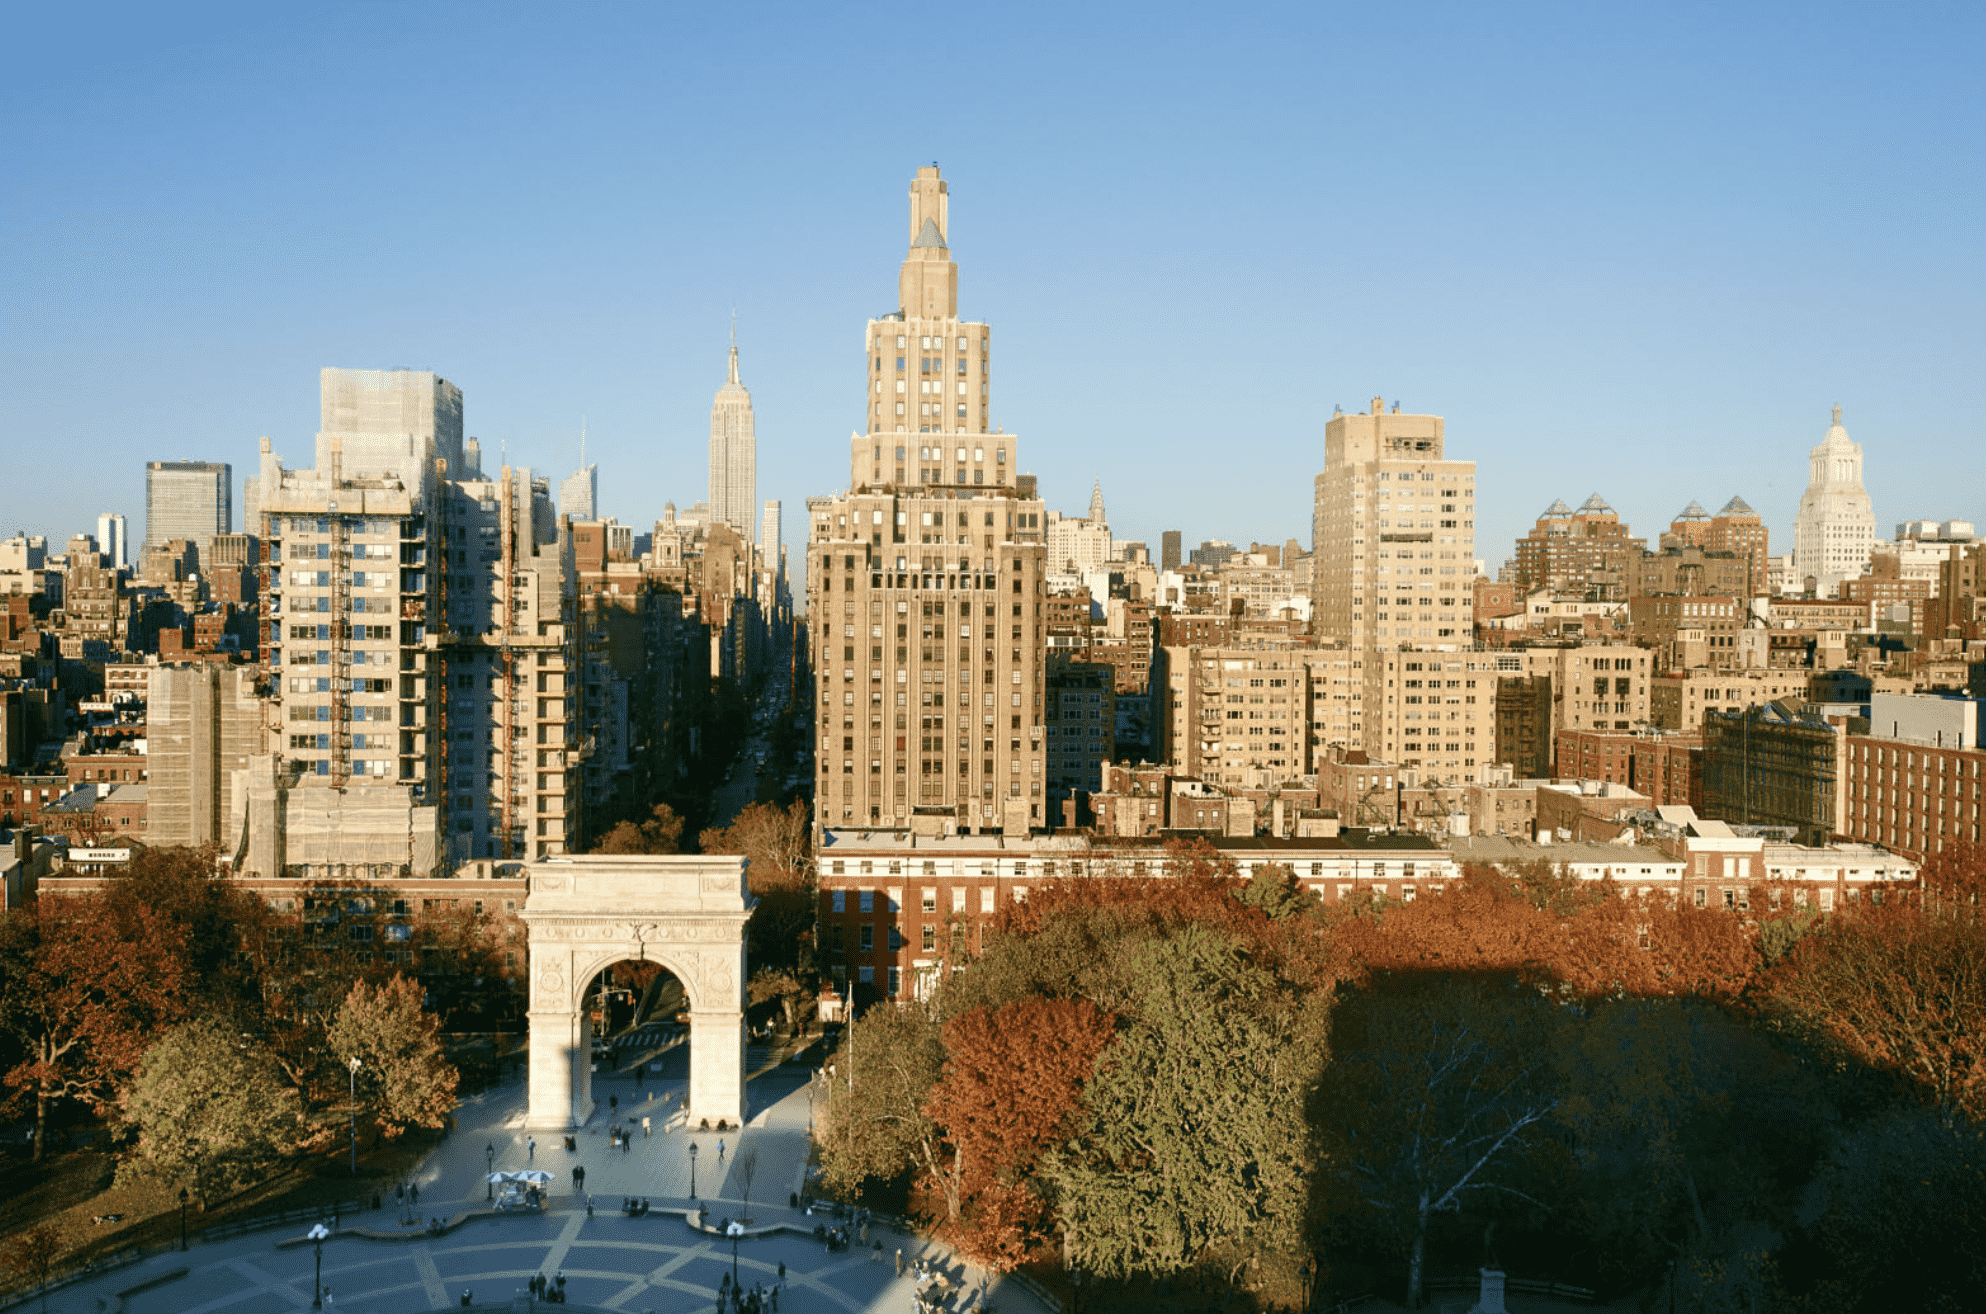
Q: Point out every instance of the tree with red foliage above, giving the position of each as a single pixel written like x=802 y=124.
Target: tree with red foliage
x=85 y=987
x=1011 y=1081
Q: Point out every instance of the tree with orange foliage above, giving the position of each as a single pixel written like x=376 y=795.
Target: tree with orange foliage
x=1952 y=881
x=1011 y=1082
x=1898 y=989
x=778 y=846
x=85 y=987
x=1593 y=940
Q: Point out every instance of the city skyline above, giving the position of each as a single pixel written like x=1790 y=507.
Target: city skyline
x=1564 y=296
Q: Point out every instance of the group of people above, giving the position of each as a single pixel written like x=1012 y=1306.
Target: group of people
x=634 y=1208
x=551 y=1290
x=757 y=1300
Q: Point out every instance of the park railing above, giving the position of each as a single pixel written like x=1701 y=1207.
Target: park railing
x=14 y=1292
x=1546 y=1287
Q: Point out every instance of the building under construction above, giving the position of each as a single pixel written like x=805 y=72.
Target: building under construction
x=1774 y=764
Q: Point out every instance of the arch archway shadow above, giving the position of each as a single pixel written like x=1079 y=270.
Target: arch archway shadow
x=586 y=912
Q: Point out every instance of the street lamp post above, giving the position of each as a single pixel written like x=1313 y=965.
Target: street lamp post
x=182 y=1218
x=489 y=1165
x=692 y=1170
x=354 y=1065
x=736 y=1230
x=317 y=1234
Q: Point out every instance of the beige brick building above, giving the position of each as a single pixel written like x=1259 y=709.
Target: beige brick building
x=926 y=581
x=1393 y=533
x=1233 y=716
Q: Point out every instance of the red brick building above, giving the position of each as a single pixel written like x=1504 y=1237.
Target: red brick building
x=1912 y=797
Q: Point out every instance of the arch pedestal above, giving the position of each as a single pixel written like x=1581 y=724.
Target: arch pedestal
x=587 y=912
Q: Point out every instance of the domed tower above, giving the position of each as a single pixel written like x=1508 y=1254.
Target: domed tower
x=1835 y=530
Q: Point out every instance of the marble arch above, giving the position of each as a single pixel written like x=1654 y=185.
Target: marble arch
x=587 y=912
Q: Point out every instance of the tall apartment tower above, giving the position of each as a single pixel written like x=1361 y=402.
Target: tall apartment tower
x=114 y=539
x=1394 y=546
x=1169 y=550
x=193 y=500
x=1834 y=532
x=733 y=453
x=925 y=580
x=420 y=653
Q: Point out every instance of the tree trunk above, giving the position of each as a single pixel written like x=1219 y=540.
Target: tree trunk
x=40 y=1121
x=1416 y=1258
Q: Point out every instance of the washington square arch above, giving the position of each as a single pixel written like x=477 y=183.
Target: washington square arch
x=585 y=913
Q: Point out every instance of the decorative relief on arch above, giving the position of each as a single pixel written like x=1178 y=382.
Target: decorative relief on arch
x=551 y=984
x=716 y=977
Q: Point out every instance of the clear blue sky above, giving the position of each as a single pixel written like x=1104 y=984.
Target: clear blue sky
x=1638 y=249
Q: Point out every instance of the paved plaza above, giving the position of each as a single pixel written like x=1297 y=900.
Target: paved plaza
x=656 y=1263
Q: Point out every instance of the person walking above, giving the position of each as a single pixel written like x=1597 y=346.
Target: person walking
x=531 y=1148
x=578 y=1178
x=720 y=1152
x=644 y=1127
x=899 y=1261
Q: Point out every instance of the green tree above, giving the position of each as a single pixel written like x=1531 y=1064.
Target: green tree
x=1275 y=889
x=404 y=1081
x=209 y=1111
x=874 y=1125
x=1184 y=1153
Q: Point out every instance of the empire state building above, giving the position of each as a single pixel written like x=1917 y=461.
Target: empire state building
x=734 y=455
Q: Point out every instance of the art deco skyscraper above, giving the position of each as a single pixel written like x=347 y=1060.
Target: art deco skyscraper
x=1835 y=529
x=925 y=582
x=733 y=453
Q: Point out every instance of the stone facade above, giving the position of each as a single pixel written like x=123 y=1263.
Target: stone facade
x=584 y=914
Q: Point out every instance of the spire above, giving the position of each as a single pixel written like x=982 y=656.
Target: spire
x=734 y=347
x=1096 y=503
x=928 y=284
x=1837 y=415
